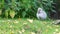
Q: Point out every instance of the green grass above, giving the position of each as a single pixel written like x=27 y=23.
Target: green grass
x=24 y=26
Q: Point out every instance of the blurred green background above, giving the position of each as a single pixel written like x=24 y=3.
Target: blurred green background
x=25 y=8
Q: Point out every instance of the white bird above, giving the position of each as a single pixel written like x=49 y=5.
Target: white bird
x=41 y=14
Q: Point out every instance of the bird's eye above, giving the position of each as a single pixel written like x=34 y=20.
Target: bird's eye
x=39 y=10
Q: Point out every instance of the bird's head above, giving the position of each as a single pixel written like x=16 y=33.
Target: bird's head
x=39 y=10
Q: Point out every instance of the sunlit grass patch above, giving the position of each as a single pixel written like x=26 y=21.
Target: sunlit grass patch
x=28 y=26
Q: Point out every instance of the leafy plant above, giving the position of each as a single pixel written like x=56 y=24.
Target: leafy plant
x=23 y=14
x=0 y=12
x=25 y=8
x=49 y=7
x=6 y=13
x=12 y=13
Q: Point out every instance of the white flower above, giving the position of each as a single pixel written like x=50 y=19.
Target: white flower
x=20 y=32
x=23 y=30
x=32 y=33
x=30 y=20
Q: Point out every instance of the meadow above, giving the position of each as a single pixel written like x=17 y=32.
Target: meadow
x=28 y=26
